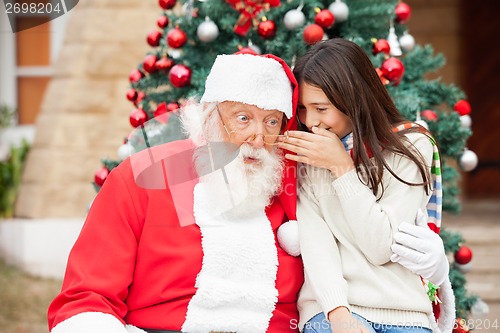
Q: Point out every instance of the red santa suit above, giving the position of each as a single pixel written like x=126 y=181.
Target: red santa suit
x=137 y=263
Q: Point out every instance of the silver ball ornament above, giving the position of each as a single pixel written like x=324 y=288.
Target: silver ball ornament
x=294 y=19
x=407 y=42
x=175 y=53
x=465 y=121
x=468 y=160
x=207 y=31
x=340 y=11
x=479 y=309
x=255 y=48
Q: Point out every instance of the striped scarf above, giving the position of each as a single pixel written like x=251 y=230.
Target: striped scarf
x=435 y=204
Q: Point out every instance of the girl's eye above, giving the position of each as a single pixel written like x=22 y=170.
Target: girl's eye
x=321 y=109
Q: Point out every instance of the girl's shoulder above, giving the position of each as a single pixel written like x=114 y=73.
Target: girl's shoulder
x=420 y=141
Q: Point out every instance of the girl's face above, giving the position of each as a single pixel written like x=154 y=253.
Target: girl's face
x=315 y=109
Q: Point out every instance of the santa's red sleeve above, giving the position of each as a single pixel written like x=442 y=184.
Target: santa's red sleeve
x=101 y=263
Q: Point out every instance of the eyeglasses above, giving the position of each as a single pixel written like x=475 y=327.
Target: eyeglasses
x=269 y=139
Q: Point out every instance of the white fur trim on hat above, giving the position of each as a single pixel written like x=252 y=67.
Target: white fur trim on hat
x=288 y=237
x=446 y=320
x=249 y=79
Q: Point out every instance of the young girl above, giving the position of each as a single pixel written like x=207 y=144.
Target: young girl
x=364 y=171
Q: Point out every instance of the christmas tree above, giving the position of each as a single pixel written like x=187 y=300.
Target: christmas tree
x=190 y=34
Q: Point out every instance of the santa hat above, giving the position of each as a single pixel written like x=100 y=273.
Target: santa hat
x=265 y=81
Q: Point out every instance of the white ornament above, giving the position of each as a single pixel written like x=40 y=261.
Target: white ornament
x=207 y=31
x=479 y=309
x=464 y=268
x=187 y=10
x=465 y=121
x=468 y=160
x=294 y=19
x=422 y=123
x=407 y=42
x=125 y=151
x=340 y=10
x=254 y=47
x=325 y=37
x=175 y=53
x=392 y=39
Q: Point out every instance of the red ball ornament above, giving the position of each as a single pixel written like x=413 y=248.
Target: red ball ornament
x=266 y=29
x=154 y=38
x=463 y=255
x=429 y=115
x=149 y=63
x=233 y=2
x=393 y=69
x=462 y=107
x=100 y=176
x=164 y=64
x=180 y=76
x=313 y=33
x=135 y=75
x=176 y=38
x=132 y=95
x=162 y=21
x=138 y=117
x=403 y=12
x=381 y=45
x=274 y=3
x=325 y=19
x=167 y=4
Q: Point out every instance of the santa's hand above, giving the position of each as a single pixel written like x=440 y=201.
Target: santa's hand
x=421 y=250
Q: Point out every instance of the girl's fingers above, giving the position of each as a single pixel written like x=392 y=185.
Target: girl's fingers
x=301 y=135
x=298 y=158
x=323 y=132
x=294 y=148
x=297 y=142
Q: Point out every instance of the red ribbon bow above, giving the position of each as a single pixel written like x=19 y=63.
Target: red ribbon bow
x=249 y=9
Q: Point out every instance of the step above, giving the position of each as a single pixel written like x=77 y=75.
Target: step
x=478 y=234
x=486 y=285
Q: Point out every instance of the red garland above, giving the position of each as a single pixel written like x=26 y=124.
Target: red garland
x=249 y=9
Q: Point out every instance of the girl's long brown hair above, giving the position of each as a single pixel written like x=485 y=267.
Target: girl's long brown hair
x=347 y=77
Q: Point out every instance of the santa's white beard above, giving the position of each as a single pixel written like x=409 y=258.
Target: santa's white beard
x=245 y=187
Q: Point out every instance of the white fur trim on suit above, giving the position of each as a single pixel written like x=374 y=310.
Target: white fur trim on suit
x=249 y=79
x=288 y=237
x=447 y=316
x=95 y=322
x=236 y=287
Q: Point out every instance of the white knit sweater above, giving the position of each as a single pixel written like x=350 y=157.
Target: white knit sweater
x=346 y=237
